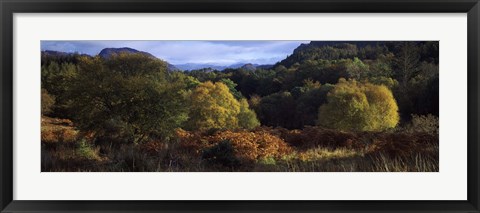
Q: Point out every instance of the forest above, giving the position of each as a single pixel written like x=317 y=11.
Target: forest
x=329 y=106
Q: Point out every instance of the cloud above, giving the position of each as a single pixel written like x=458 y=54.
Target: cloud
x=179 y=52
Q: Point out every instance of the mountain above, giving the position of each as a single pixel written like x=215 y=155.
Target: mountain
x=198 y=66
x=107 y=52
x=265 y=66
x=249 y=67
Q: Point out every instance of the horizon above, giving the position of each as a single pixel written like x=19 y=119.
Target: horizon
x=218 y=53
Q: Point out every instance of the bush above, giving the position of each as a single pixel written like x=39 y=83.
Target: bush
x=248 y=147
x=251 y=146
x=58 y=131
x=221 y=154
x=86 y=151
x=424 y=123
x=312 y=137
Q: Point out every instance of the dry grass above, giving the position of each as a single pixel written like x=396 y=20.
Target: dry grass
x=57 y=130
x=261 y=150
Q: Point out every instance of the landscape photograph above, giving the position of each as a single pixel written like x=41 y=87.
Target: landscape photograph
x=239 y=106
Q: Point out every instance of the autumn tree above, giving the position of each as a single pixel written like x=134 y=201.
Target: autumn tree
x=247 y=118
x=47 y=102
x=213 y=106
x=355 y=106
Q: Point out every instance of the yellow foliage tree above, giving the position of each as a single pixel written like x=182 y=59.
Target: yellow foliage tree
x=247 y=118
x=356 y=106
x=213 y=106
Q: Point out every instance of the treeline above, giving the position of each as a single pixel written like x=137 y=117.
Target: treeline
x=132 y=97
x=291 y=93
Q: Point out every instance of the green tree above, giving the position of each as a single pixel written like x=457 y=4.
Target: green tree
x=354 y=106
x=129 y=97
x=407 y=62
x=57 y=79
x=308 y=104
x=231 y=86
x=357 y=69
x=277 y=109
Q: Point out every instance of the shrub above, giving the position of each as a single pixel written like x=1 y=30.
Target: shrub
x=221 y=154
x=251 y=146
x=312 y=137
x=248 y=147
x=424 y=123
x=404 y=144
x=57 y=131
x=86 y=151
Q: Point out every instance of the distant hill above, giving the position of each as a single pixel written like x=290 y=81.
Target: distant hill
x=198 y=66
x=329 y=50
x=359 y=44
x=249 y=67
x=265 y=66
x=107 y=52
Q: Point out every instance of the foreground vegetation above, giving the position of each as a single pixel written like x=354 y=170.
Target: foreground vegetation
x=313 y=149
x=335 y=107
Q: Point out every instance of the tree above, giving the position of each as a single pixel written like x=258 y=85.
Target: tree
x=277 y=109
x=57 y=79
x=308 y=104
x=357 y=69
x=128 y=97
x=231 y=86
x=407 y=62
x=355 y=106
x=47 y=102
x=213 y=106
x=247 y=118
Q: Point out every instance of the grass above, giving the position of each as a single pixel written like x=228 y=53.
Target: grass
x=312 y=149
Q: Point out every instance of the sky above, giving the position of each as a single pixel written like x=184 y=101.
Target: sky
x=181 y=52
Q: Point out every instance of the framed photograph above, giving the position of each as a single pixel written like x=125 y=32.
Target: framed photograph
x=239 y=106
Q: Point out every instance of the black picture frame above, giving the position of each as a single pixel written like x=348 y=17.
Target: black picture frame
x=9 y=7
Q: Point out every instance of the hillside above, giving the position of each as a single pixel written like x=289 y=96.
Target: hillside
x=333 y=106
